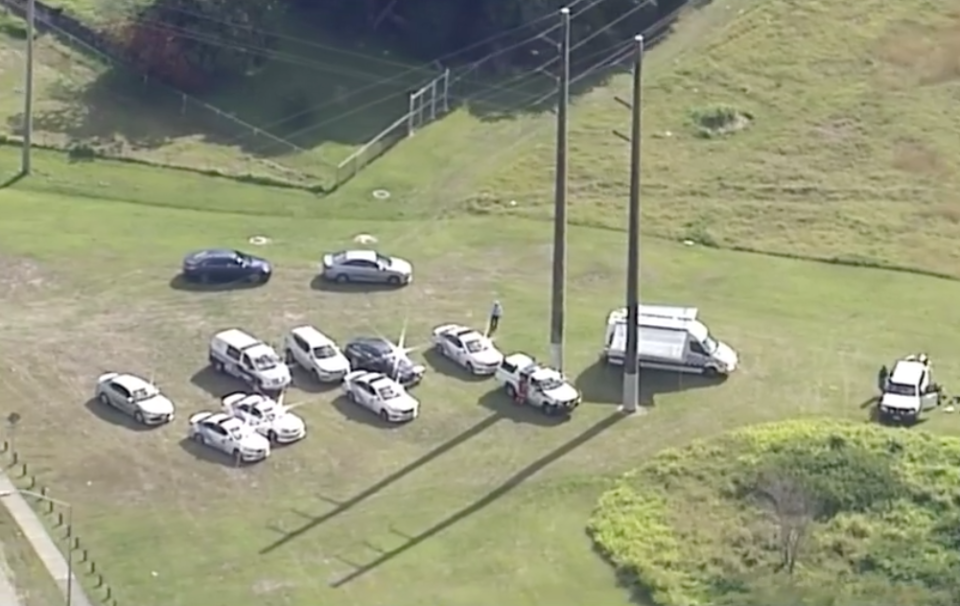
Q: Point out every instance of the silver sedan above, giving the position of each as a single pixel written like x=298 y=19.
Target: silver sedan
x=366 y=266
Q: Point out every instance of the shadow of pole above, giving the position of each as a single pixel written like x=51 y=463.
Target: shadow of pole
x=355 y=500
x=513 y=482
x=13 y=179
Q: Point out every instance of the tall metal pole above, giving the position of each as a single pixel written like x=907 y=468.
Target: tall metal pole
x=558 y=299
x=631 y=368
x=28 y=92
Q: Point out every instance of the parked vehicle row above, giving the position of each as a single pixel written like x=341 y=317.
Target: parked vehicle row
x=225 y=265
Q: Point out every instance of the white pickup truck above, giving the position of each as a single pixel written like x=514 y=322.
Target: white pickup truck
x=528 y=382
x=909 y=391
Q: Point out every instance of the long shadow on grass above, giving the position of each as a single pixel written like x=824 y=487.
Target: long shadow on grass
x=343 y=506
x=516 y=480
x=319 y=283
x=179 y=282
x=603 y=384
x=216 y=384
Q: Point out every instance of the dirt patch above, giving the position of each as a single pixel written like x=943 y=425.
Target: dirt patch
x=20 y=277
x=923 y=54
x=912 y=156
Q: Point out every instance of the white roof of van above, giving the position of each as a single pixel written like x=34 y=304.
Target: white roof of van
x=682 y=319
x=237 y=338
x=658 y=343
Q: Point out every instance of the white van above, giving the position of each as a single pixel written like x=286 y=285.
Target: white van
x=241 y=355
x=671 y=338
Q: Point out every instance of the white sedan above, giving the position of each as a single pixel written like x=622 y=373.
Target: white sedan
x=230 y=435
x=379 y=393
x=468 y=348
x=134 y=396
x=268 y=417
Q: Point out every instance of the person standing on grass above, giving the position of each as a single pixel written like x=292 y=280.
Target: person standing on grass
x=882 y=378
x=495 y=314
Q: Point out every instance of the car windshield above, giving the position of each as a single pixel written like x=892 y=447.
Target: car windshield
x=324 y=351
x=550 y=383
x=235 y=432
x=384 y=260
x=144 y=393
x=388 y=393
x=240 y=257
x=266 y=361
x=902 y=389
x=475 y=345
x=710 y=345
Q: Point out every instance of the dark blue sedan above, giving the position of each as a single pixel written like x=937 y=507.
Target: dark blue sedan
x=220 y=266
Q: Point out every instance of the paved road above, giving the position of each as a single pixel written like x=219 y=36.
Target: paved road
x=8 y=593
x=46 y=548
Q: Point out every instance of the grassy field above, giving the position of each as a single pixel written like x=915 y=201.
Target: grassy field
x=24 y=568
x=319 y=100
x=477 y=501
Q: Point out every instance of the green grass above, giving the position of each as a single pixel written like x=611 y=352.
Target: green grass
x=501 y=487
x=319 y=100
x=26 y=571
x=874 y=508
x=476 y=501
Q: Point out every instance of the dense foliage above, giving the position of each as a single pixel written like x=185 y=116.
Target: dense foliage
x=799 y=513
x=192 y=42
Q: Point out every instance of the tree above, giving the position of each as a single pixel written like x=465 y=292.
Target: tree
x=794 y=508
x=192 y=43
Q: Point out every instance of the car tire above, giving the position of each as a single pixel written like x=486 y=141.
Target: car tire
x=316 y=375
x=710 y=372
x=384 y=415
x=198 y=438
x=288 y=357
x=138 y=417
x=511 y=391
x=342 y=278
x=236 y=455
x=272 y=436
x=103 y=399
x=469 y=367
x=394 y=280
x=217 y=365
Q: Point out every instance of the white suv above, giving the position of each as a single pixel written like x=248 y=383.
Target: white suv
x=249 y=359
x=316 y=353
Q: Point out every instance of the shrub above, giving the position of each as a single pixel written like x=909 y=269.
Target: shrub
x=689 y=528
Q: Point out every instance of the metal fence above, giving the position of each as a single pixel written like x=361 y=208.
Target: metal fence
x=176 y=109
x=427 y=103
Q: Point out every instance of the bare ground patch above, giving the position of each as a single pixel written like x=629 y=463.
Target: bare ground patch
x=915 y=156
x=923 y=54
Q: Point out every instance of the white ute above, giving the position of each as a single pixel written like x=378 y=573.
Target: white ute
x=230 y=435
x=468 y=348
x=270 y=418
x=671 y=338
x=539 y=386
x=249 y=359
x=382 y=395
x=908 y=391
x=316 y=353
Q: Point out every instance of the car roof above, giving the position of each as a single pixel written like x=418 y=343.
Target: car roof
x=363 y=254
x=369 y=377
x=383 y=381
x=259 y=349
x=211 y=253
x=378 y=343
x=219 y=418
x=237 y=338
x=465 y=332
x=543 y=373
x=520 y=360
x=907 y=372
x=255 y=399
x=131 y=382
x=311 y=335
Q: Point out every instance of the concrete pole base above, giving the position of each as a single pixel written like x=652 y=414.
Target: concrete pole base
x=631 y=394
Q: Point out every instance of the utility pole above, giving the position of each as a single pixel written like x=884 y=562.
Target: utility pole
x=28 y=92
x=631 y=367
x=558 y=299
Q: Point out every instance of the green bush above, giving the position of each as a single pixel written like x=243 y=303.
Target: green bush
x=874 y=509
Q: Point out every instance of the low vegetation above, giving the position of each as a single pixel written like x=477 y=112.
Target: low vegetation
x=820 y=513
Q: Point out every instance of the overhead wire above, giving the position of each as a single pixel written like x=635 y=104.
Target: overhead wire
x=502 y=86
